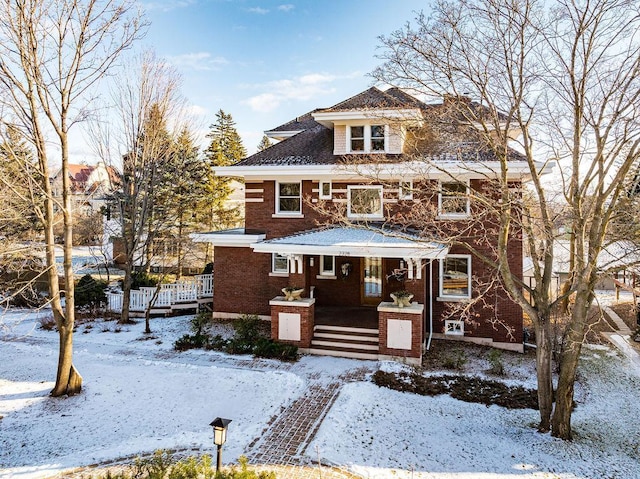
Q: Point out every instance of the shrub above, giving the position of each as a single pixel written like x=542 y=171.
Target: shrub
x=191 y=341
x=455 y=359
x=208 y=268
x=250 y=338
x=48 y=322
x=141 y=279
x=495 y=360
x=90 y=292
x=268 y=348
x=162 y=465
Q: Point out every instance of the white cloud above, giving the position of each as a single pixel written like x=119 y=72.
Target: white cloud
x=287 y=7
x=258 y=10
x=197 y=61
x=265 y=102
x=301 y=88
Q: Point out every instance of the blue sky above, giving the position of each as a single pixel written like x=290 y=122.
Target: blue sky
x=266 y=62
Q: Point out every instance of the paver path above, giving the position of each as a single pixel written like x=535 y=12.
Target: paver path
x=283 y=445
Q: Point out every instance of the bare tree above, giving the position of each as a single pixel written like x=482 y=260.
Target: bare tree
x=149 y=110
x=563 y=78
x=53 y=54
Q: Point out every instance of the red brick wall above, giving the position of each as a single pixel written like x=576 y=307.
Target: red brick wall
x=248 y=286
x=416 y=333
x=307 y=315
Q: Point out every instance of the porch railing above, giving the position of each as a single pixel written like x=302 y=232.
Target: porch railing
x=181 y=292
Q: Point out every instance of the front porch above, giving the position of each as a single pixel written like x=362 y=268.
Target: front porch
x=386 y=332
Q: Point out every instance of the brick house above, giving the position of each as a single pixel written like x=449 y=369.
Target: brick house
x=317 y=205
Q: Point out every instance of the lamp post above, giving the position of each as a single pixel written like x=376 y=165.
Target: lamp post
x=219 y=436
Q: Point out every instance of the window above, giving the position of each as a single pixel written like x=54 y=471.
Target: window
x=377 y=137
x=454 y=327
x=405 y=190
x=289 y=198
x=279 y=263
x=455 y=276
x=357 y=138
x=364 y=202
x=367 y=138
x=327 y=265
x=325 y=190
x=453 y=199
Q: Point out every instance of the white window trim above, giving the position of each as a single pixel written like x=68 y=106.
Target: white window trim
x=332 y=271
x=279 y=213
x=445 y=215
x=321 y=195
x=454 y=327
x=367 y=139
x=456 y=297
x=405 y=195
x=274 y=271
x=379 y=215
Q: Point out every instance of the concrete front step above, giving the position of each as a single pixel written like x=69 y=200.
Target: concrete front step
x=348 y=342
x=373 y=338
x=344 y=329
x=342 y=353
x=344 y=344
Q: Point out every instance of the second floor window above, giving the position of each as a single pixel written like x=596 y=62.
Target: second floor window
x=453 y=199
x=364 y=202
x=289 y=198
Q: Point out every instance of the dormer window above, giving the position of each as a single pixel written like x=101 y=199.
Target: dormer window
x=377 y=137
x=367 y=139
x=357 y=138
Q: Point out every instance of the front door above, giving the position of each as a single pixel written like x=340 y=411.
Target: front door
x=371 y=281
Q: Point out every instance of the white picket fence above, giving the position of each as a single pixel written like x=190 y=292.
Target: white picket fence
x=186 y=292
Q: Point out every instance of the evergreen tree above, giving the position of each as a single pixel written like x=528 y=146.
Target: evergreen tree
x=264 y=143
x=19 y=194
x=188 y=209
x=225 y=149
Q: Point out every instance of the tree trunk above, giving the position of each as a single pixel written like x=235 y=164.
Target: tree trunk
x=561 y=421
x=543 y=372
x=126 y=293
x=68 y=380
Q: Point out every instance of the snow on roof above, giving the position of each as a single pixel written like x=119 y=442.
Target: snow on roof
x=355 y=241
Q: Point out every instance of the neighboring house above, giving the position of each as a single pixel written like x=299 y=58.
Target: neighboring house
x=89 y=185
x=348 y=270
x=618 y=266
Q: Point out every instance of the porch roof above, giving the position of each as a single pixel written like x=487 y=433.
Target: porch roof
x=353 y=241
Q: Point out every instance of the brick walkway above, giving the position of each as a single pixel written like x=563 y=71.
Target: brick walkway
x=283 y=445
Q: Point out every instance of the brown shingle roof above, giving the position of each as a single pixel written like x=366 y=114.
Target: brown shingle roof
x=373 y=98
x=304 y=122
x=314 y=144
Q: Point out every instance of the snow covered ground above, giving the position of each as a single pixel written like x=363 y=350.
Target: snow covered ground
x=140 y=395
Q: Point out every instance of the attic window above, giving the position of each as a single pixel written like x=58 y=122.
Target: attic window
x=367 y=139
x=377 y=137
x=357 y=138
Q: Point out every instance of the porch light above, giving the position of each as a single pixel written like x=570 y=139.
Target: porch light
x=219 y=436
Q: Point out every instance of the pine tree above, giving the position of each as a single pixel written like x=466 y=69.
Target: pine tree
x=225 y=149
x=19 y=193
x=264 y=143
x=188 y=174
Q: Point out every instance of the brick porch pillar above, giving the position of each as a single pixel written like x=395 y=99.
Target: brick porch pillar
x=292 y=321
x=401 y=331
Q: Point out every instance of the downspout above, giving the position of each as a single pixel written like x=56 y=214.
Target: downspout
x=430 y=303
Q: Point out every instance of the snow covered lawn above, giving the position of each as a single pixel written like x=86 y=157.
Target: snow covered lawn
x=132 y=401
x=141 y=395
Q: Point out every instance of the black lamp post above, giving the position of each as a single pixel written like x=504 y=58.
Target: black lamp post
x=219 y=436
